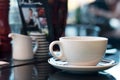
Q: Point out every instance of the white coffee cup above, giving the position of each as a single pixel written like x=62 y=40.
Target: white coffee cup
x=82 y=51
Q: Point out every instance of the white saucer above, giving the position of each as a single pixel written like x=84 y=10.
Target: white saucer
x=103 y=65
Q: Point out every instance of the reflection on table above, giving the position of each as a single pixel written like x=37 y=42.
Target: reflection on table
x=95 y=76
x=42 y=70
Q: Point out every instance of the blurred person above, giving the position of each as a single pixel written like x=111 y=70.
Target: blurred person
x=32 y=24
x=30 y=20
x=107 y=9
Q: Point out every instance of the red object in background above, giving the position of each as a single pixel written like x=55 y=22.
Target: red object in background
x=58 y=13
x=58 y=10
x=41 y=11
x=5 y=46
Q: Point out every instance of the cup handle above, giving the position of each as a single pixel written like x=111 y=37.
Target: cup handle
x=61 y=55
x=35 y=47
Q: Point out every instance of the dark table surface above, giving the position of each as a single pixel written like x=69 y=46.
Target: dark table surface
x=39 y=69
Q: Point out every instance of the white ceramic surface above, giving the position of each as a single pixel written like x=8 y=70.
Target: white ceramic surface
x=22 y=47
x=85 y=50
x=103 y=65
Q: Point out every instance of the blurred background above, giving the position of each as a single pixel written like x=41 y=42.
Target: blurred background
x=94 y=18
x=80 y=18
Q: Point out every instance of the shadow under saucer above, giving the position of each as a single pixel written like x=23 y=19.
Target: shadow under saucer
x=68 y=76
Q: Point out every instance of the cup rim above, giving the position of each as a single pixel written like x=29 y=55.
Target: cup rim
x=83 y=38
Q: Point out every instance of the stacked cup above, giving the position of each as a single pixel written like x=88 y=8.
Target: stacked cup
x=43 y=45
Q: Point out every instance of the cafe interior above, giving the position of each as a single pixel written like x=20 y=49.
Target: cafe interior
x=28 y=27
